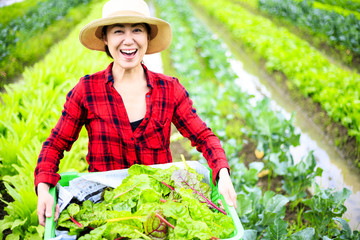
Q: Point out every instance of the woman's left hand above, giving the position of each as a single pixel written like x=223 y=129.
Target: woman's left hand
x=226 y=187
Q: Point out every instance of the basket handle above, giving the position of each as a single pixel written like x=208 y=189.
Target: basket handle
x=49 y=226
x=239 y=230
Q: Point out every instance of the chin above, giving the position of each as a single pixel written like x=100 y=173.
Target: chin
x=129 y=65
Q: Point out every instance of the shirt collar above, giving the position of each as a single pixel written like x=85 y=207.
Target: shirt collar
x=108 y=73
x=109 y=76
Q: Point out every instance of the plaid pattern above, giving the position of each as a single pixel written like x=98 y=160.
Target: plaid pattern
x=95 y=103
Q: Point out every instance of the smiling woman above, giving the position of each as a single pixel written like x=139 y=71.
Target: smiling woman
x=127 y=109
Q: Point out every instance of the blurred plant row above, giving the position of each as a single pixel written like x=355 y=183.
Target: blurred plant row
x=340 y=25
x=28 y=29
x=202 y=63
x=28 y=112
x=306 y=69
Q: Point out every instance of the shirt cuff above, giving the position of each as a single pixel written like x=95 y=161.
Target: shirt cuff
x=50 y=178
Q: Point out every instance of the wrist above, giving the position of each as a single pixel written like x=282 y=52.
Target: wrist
x=223 y=172
x=43 y=187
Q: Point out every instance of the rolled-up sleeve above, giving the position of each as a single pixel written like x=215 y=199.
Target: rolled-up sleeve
x=192 y=127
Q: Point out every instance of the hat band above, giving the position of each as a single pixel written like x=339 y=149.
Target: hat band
x=126 y=13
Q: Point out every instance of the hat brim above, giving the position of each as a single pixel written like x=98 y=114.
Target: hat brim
x=160 y=33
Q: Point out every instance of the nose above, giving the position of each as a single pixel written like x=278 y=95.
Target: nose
x=128 y=38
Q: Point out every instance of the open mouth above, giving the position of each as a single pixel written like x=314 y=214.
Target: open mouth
x=129 y=53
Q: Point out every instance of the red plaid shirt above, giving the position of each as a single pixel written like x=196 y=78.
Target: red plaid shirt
x=95 y=103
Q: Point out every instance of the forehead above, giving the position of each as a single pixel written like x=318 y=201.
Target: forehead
x=123 y=25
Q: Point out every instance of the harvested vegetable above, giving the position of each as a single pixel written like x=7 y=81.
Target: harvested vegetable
x=151 y=203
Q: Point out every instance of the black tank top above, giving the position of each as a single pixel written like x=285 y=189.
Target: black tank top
x=135 y=124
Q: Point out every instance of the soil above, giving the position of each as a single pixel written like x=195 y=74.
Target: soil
x=7 y=198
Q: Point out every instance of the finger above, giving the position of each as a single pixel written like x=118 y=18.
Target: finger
x=233 y=200
x=41 y=215
x=56 y=212
x=228 y=201
x=48 y=210
x=233 y=197
x=221 y=204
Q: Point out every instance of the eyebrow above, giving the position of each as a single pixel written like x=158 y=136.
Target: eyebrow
x=132 y=25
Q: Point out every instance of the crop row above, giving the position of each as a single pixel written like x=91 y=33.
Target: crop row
x=19 y=37
x=339 y=25
x=15 y=10
x=348 y=4
x=331 y=8
x=29 y=111
x=201 y=61
x=306 y=69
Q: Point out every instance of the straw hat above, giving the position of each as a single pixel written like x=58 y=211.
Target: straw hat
x=127 y=11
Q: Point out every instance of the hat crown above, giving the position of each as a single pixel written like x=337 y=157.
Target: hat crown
x=123 y=7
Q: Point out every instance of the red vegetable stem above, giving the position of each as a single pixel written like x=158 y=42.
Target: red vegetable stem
x=164 y=220
x=167 y=185
x=76 y=222
x=207 y=200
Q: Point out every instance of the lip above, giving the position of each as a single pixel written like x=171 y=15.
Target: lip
x=129 y=56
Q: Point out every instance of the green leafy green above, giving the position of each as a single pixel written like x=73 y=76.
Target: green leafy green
x=305 y=234
x=136 y=208
x=324 y=206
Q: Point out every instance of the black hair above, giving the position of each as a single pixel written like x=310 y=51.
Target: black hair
x=104 y=30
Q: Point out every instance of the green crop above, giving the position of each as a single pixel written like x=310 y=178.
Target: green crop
x=28 y=111
x=306 y=69
x=339 y=25
x=162 y=204
x=324 y=206
x=202 y=62
x=346 y=4
x=224 y=104
x=20 y=38
x=15 y=10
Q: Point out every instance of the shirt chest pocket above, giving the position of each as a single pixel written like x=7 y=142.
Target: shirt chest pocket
x=157 y=134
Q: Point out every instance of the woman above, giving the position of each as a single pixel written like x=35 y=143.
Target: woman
x=127 y=109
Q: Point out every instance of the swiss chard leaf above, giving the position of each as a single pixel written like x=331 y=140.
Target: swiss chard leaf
x=188 y=180
x=154 y=227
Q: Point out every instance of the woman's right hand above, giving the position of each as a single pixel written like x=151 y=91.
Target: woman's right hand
x=45 y=203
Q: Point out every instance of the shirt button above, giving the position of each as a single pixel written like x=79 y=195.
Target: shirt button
x=146 y=118
x=132 y=139
x=148 y=96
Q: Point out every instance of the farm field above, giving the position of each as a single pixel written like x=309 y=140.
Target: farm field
x=282 y=95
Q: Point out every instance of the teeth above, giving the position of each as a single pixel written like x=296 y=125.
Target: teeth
x=128 y=51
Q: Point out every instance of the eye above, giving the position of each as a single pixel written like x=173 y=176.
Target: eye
x=118 y=31
x=138 y=30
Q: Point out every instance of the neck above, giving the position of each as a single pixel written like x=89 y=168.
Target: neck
x=132 y=75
